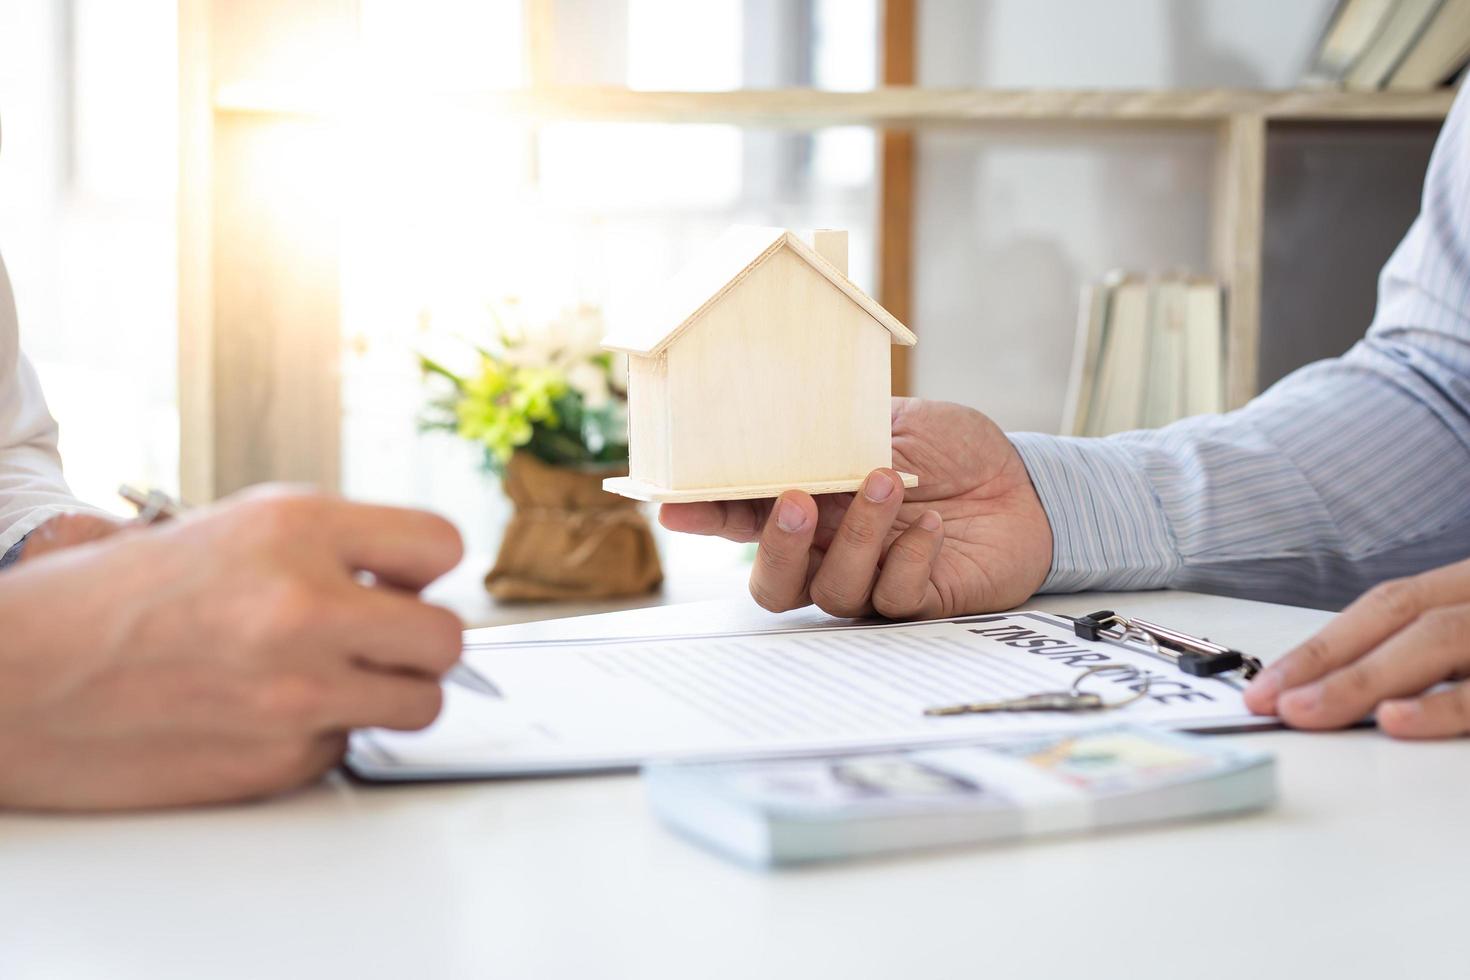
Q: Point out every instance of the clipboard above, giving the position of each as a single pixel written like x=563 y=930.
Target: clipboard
x=613 y=704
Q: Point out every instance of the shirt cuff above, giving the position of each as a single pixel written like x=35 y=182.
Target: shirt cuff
x=1107 y=526
x=33 y=518
x=13 y=555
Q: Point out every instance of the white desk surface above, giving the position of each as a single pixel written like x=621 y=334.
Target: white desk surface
x=1361 y=871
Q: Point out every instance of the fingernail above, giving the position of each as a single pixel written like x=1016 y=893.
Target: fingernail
x=930 y=520
x=1304 y=699
x=1400 y=710
x=789 y=516
x=1267 y=684
x=879 y=487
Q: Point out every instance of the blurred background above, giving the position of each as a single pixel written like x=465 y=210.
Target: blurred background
x=232 y=226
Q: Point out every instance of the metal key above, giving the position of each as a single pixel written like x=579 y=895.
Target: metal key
x=1050 y=701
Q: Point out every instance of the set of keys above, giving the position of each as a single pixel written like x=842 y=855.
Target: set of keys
x=1075 y=699
x=1194 y=655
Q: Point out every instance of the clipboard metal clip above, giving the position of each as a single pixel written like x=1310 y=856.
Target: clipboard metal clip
x=1195 y=655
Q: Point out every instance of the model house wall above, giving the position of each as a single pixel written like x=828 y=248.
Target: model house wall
x=779 y=378
x=785 y=381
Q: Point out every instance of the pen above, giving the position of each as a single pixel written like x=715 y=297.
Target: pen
x=154 y=506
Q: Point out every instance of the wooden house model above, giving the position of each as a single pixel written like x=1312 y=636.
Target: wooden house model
x=759 y=368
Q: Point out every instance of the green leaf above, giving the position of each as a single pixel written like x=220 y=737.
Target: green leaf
x=429 y=367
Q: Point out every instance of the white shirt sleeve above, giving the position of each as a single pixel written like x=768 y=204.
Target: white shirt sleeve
x=31 y=486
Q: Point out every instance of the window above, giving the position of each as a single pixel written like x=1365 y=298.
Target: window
x=88 y=178
x=456 y=212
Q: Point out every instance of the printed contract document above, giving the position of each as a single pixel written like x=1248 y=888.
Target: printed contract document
x=587 y=705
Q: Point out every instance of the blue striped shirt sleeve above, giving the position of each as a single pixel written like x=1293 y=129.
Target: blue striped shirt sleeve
x=1345 y=473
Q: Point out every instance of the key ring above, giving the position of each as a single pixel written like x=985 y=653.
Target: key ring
x=1099 y=668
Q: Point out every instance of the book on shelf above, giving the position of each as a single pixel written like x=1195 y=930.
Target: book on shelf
x=1149 y=351
x=1163 y=387
x=1400 y=32
x=1204 y=348
x=1118 y=397
x=1091 y=322
x=1350 y=29
x=1441 y=51
x=1369 y=45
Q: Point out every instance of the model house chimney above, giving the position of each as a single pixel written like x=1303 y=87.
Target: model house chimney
x=830 y=245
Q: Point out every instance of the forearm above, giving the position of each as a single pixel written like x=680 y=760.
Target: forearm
x=1347 y=473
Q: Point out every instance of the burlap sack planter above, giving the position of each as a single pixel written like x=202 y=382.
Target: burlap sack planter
x=569 y=539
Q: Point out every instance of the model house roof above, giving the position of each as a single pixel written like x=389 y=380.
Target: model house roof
x=652 y=324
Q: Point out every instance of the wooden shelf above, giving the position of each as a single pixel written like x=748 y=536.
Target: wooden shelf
x=259 y=299
x=250 y=224
x=889 y=107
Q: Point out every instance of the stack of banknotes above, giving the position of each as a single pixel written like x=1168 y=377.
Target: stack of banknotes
x=815 y=809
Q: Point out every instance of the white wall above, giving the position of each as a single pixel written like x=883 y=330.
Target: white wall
x=1012 y=220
